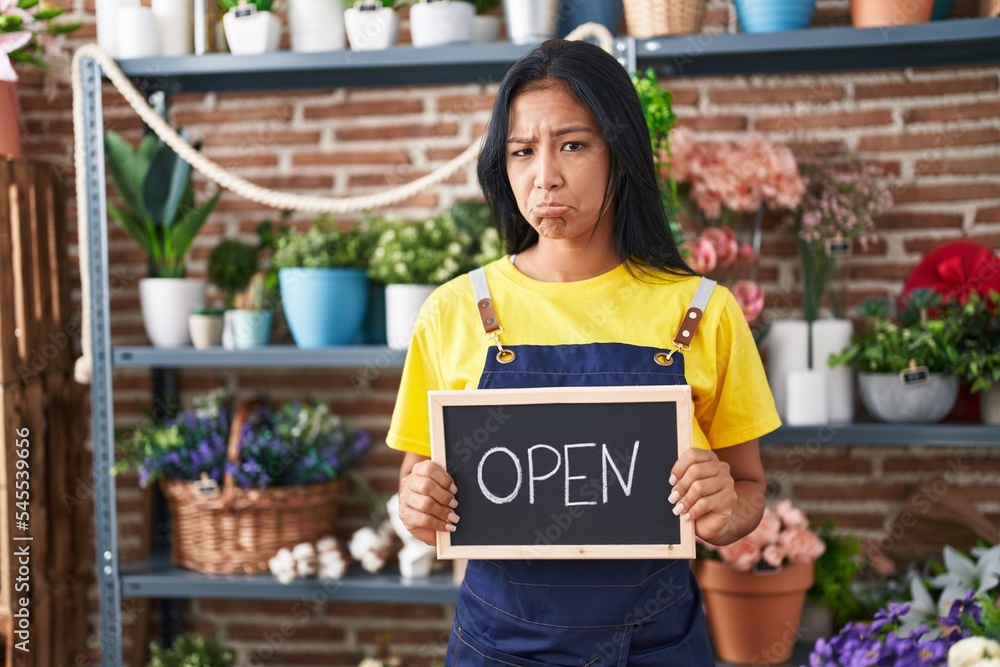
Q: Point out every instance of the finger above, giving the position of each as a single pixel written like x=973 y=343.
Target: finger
x=699 y=490
x=718 y=503
x=427 y=486
x=415 y=519
x=427 y=504
x=698 y=472
x=434 y=471
x=686 y=460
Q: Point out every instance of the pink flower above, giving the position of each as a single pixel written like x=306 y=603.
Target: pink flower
x=766 y=531
x=741 y=555
x=801 y=545
x=791 y=516
x=724 y=242
x=773 y=555
x=702 y=257
x=750 y=296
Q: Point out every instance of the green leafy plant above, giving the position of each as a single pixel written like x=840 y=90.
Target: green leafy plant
x=191 y=650
x=262 y=5
x=214 y=312
x=889 y=347
x=657 y=107
x=29 y=35
x=486 y=6
x=835 y=573
x=158 y=192
x=230 y=266
x=430 y=252
x=326 y=246
x=475 y=218
x=976 y=326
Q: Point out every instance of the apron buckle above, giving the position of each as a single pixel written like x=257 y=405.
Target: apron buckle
x=666 y=358
x=503 y=356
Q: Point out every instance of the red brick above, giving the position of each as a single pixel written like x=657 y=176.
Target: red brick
x=845 y=521
x=937 y=140
x=443 y=154
x=938 y=87
x=988 y=214
x=883 y=271
x=350 y=157
x=276 y=112
x=261 y=137
x=918 y=220
x=254 y=159
x=946 y=192
x=267 y=607
x=406 y=636
x=394 y=177
x=712 y=123
x=978 y=165
x=870 y=248
x=367 y=108
x=395 y=610
x=923 y=244
x=683 y=97
x=410 y=130
x=296 y=182
x=862 y=492
x=800 y=463
x=818 y=95
x=975 y=110
x=290 y=629
x=478 y=101
x=779 y=247
x=794 y=122
x=941 y=464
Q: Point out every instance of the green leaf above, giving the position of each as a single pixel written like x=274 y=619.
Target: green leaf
x=133 y=227
x=164 y=187
x=26 y=4
x=128 y=170
x=184 y=231
x=48 y=13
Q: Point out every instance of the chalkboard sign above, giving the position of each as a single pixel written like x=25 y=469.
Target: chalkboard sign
x=569 y=472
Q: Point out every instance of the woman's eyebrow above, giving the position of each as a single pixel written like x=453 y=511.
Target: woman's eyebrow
x=556 y=133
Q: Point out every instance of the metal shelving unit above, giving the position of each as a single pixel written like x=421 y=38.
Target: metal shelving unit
x=967 y=41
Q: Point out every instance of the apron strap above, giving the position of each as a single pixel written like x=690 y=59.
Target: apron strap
x=692 y=318
x=484 y=302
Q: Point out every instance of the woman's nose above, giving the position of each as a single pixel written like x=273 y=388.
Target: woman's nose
x=547 y=174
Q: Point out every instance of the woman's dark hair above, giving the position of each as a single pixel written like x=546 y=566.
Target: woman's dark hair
x=641 y=235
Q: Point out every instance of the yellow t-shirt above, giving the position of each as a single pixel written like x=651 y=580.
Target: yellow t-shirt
x=732 y=400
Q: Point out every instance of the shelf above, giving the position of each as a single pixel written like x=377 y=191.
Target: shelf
x=953 y=42
x=937 y=435
x=271 y=356
x=157 y=577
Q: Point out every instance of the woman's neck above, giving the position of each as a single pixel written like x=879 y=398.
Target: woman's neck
x=554 y=262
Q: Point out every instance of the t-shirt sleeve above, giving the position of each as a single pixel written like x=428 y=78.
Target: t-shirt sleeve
x=409 y=430
x=741 y=407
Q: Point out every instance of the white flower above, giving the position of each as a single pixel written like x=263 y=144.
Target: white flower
x=964 y=575
x=973 y=651
x=922 y=611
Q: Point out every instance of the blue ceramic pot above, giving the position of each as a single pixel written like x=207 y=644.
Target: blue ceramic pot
x=942 y=10
x=774 y=15
x=324 y=306
x=573 y=13
x=249 y=328
x=374 y=328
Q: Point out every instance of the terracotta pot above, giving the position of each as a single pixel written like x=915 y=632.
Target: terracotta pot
x=753 y=618
x=10 y=120
x=882 y=13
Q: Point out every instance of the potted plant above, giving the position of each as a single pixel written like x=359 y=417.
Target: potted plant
x=324 y=287
x=530 y=21
x=205 y=326
x=243 y=478
x=831 y=601
x=774 y=15
x=486 y=24
x=248 y=323
x=436 y=22
x=230 y=266
x=754 y=588
x=976 y=326
x=157 y=192
x=191 y=650
x=251 y=27
x=411 y=259
x=372 y=25
x=27 y=36
x=905 y=369
x=316 y=25
x=887 y=13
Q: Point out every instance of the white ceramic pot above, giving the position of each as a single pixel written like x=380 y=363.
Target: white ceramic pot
x=530 y=21
x=486 y=28
x=402 y=304
x=252 y=35
x=206 y=330
x=888 y=400
x=833 y=337
x=316 y=25
x=371 y=29
x=787 y=351
x=444 y=22
x=989 y=405
x=166 y=304
x=137 y=33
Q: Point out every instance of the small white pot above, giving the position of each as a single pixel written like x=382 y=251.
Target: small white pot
x=989 y=405
x=206 y=330
x=371 y=29
x=530 y=21
x=316 y=25
x=166 y=304
x=252 y=35
x=444 y=22
x=889 y=401
x=402 y=304
x=486 y=28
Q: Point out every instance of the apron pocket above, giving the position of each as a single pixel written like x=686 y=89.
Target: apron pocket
x=465 y=651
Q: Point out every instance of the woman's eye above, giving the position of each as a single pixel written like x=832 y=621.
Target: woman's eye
x=522 y=153
x=573 y=145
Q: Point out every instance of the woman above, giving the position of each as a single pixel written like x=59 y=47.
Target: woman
x=594 y=287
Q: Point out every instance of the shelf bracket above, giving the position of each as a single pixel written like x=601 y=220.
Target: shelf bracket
x=625 y=53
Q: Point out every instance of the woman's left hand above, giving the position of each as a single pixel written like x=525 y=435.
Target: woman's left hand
x=710 y=487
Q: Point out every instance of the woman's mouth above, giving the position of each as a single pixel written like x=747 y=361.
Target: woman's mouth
x=550 y=210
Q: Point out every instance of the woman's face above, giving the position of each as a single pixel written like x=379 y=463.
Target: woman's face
x=558 y=164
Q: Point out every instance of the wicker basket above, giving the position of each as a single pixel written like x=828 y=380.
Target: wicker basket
x=230 y=530
x=652 y=18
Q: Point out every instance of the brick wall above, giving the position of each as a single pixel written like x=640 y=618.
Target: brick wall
x=938 y=129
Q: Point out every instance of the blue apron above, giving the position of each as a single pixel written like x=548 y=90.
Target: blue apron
x=579 y=613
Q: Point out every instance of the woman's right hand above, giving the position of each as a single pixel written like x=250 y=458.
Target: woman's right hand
x=426 y=498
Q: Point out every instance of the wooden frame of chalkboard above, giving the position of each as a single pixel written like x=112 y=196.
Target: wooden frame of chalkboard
x=510 y=452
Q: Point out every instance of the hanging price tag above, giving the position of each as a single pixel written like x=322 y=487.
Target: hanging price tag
x=914 y=376
x=207 y=486
x=243 y=10
x=368 y=6
x=838 y=247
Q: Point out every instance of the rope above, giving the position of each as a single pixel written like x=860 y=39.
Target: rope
x=227 y=180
